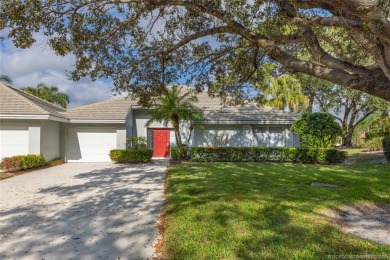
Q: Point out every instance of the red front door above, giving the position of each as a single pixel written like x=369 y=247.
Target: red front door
x=161 y=143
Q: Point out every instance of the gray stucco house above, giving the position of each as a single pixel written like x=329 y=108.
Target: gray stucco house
x=30 y=125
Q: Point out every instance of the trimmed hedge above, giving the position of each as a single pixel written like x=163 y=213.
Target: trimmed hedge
x=386 y=147
x=22 y=162
x=143 y=155
x=175 y=154
x=263 y=154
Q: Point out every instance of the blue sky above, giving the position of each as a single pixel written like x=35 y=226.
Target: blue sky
x=28 y=67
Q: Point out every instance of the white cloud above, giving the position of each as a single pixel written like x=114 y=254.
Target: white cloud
x=28 y=67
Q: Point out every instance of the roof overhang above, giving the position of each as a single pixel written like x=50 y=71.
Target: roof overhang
x=88 y=121
x=34 y=117
x=247 y=122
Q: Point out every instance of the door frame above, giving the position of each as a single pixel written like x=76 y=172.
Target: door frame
x=169 y=140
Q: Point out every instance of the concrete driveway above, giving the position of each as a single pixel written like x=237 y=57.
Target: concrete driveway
x=82 y=211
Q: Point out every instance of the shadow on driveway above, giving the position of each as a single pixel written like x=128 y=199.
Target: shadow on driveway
x=68 y=212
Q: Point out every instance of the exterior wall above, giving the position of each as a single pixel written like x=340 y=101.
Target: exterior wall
x=34 y=138
x=136 y=126
x=63 y=139
x=120 y=138
x=242 y=135
x=218 y=135
x=214 y=134
x=270 y=138
x=50 y=139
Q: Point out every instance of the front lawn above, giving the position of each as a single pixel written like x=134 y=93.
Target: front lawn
x=266 y=210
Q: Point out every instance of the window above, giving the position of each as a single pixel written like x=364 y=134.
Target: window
x=276 y=136
x=150 y=138
x=261 y=134
x=269 y=136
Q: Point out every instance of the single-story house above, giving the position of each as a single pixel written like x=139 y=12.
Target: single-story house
x=30 y=125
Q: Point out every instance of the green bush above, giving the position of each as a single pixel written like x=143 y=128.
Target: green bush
x=374 y=144
x=386 y=147
x=316 y=130
x=175 y=153
x=22 y=162
x=56 y=162
x=374 y=134
x=143 y=155
x=262 y=154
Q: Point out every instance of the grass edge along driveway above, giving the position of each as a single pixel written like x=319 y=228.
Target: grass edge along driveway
x=267 y=210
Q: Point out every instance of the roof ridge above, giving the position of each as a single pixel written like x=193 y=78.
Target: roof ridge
x=98 y=103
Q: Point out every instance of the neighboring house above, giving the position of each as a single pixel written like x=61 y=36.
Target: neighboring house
x=30 y=125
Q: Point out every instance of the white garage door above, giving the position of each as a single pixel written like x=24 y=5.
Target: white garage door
x=13 y=140
x=90 y=144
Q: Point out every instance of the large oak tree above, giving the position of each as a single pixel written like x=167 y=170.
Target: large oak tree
x=146 y=44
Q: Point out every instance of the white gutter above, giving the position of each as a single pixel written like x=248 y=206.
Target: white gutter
x=35 y=117
x=249 y=122
x=88 y=121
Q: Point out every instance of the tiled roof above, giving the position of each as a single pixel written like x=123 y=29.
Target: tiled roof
x=113 y=109
x=248 y=113
x=14 y=101
x=214 y=110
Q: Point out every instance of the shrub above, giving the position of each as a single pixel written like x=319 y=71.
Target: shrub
x=318 y=130
x=374 y=144
x=143 y=155
x=32 y=161
x=22 y=162
x=10 y=164
x=386 y=147
x=261 y=154
x=56 y=162
x=374 y=134
x=175 y=153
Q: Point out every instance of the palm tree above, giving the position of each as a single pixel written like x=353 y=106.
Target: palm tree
x=286 y=92
x=6 y=79
x=49 y=94
x=175 y=106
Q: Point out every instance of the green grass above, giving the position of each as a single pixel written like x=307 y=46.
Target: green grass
x=353 y=151
x=265 y=210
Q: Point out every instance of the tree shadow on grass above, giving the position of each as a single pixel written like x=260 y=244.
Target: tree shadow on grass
x=267 y=211
x=105 y=213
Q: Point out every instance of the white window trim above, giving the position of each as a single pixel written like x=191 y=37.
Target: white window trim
x=267 y=127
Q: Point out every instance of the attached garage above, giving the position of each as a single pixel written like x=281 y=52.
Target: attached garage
x=13 y=140
x=90 y=144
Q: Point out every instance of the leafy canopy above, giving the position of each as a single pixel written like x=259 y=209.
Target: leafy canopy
x=284 y=92
x=316 y=130
x=145 y=45
x=6 y=79
x=49 y=93
x=175 y=106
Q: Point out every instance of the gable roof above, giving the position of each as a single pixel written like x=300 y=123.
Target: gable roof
x=214 y=111
x=249 y=113
x=113 y=109
x=14 y=101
